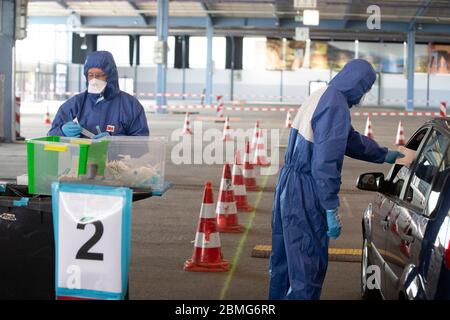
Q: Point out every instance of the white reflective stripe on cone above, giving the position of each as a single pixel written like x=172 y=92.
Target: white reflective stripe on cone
x=255 y=139
x=249 y=173
x=226 y=208
x=236 y=170
x=239 y=190
x=254 y=143
x=214 y=240
x=207 y=211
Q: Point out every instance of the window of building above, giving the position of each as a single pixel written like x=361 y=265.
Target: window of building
x=199 y=46
x=254 y=53
x=119 y=46
x=127 y=85
x=44 y=43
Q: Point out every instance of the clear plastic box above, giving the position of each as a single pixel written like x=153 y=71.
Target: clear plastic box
x=53 y=158
x=136 y=162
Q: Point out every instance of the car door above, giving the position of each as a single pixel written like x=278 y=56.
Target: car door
x=409 y=214
x=382 y=207
x=378 y=216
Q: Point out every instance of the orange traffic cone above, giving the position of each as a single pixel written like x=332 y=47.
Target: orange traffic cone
x=400 y=139
x=443 y=109
x=288 y=123
x=219 y=109
x=187 y=125
x=260 y=158
x=368 y=132
x=240 y=192
x=47 y=119
x=226 y=130
x=256 y=133
x=226 y=212
x=249 y=173
x=207 y=254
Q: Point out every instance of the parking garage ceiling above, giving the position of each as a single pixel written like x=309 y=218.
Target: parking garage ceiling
x=339 y=19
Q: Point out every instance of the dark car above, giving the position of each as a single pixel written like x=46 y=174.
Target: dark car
x=406 y=250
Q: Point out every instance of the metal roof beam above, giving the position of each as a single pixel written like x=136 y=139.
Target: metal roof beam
x=420 y=11
x=63 y=4
x=142 y=16
x=206 y=9
x=246 y=23
x=348 y=10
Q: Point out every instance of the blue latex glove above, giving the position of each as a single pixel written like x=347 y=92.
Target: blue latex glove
x=391 y=156
x=71 y=129
x=101 y=135
x=334 y=224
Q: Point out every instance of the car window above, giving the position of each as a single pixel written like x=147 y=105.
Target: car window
x=398 y=174
x=399 y=180
x=438 y=183
x=425 y=168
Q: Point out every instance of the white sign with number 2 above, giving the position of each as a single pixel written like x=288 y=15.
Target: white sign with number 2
x=90 y=243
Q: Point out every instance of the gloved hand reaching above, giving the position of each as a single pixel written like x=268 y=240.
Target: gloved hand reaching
x=101 y=135
x=334 y=224
x=392 y=155
x=71 y=129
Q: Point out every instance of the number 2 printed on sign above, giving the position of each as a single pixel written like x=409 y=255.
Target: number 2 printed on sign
x=83 y=253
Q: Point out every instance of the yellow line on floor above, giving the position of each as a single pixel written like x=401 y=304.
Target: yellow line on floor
x=335 y=251
x=243 y=239
x=261 y=247
x=344 y=251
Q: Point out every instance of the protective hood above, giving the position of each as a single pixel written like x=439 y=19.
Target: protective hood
x=105 y=61
x=354 y=80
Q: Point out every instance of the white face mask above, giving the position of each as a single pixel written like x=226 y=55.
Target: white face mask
x=96 y=86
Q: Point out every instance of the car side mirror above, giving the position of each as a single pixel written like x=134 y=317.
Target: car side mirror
x=370 y=181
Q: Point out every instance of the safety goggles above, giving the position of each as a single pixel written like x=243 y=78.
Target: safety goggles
x=100 y=76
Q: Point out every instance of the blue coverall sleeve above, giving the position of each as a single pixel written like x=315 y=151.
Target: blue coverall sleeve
x=139 y=126
x=363 y=148
x=65 y=114
x=330 y=128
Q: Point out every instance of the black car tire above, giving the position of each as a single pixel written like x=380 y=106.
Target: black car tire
x=367 y=294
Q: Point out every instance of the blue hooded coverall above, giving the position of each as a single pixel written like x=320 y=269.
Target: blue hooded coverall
x=114 y=111
x=310 y=179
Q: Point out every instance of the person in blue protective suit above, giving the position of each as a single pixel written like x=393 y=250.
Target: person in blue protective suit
x=103 y=109
x=306 y=202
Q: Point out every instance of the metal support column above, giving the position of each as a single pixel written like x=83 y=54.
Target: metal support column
x=183 y=64
x=162 y=32
x=410 y=70
x=233 y=57
x=379 y=88
x=209 y=60
x=7 y=12
x=135 y=61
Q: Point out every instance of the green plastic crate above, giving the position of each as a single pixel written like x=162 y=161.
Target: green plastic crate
x=50 y=158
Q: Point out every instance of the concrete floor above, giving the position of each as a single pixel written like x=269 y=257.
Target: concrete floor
x=164 y=227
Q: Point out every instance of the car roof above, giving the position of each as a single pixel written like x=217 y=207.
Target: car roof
x=443 y=123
